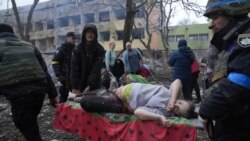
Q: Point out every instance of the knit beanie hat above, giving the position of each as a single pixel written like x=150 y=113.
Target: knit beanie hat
x=6 y=28
x=182 y=42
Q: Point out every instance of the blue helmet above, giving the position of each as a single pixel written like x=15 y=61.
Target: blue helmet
x=227 y=7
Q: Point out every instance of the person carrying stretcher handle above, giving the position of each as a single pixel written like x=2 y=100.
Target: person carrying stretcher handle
x=146 y=101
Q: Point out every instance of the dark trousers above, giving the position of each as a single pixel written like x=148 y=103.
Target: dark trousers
x=186 y=89
x=64 y=92
x=135 y=72
x=195 y=85
x=24 y=112
x=102 y=101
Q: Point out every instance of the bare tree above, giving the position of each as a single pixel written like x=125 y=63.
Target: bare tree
x=167 y=8
x=24 y=35
x=132 y=6
x=149 y=28
x=5 y=16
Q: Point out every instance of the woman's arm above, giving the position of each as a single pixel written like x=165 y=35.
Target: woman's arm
x=175 y=89
x=107 y=59
x=125 y=61
x=143 y=114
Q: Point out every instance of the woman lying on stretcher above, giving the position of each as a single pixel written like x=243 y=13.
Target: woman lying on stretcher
x=146 y=101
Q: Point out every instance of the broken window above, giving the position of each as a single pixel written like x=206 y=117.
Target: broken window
x=140 y=14
x=119 y=34
x=104 y=36
x=38 y=26
x=42 y=45
x=138 y=33
x=63 y=22
x=61 y=39
x=89 y=18
x=120 y=14
x=87 y=0
x=50 y=24
x=75 y=20
x=104 y=16
x=50 y=43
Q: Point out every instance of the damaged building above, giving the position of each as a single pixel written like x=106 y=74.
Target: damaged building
x=53 y=19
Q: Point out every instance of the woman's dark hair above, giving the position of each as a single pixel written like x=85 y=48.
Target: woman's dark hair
x=191 y=111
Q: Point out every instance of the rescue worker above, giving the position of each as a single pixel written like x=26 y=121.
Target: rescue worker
x=24 y=81
x=228 y=99
x=61 y=63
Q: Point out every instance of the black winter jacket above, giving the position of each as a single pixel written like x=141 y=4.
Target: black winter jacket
x=31 y=87
x=229 y=102
x=61 y=62
x=86 y=63
x=181 y=61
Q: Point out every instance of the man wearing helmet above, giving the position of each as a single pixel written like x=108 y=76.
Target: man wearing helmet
x=228 y=101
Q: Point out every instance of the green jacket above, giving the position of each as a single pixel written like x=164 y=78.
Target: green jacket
x=18 y=63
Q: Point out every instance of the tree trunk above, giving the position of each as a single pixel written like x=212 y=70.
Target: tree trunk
x=18 y=20
x=24 y=36
x=29 y=18
x=129 y=22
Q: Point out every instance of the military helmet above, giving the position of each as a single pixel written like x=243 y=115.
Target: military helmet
x=227 y=7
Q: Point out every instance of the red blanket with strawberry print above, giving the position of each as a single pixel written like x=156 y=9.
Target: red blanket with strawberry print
x=70 y=117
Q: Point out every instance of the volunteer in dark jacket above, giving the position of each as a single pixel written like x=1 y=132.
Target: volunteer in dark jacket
x=228 y=101
x=61 y=63
x=87 y=59
x=181 y=61
x=24 y=81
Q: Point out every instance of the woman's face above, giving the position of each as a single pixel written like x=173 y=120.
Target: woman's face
x=181 y=108
x=128 y=46
x=112 y=46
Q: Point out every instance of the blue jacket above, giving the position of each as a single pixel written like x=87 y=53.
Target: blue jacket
x=181 y=61
x=131 y=60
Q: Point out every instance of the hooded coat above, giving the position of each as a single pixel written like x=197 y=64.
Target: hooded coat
x=181 y=61
x=86 y=63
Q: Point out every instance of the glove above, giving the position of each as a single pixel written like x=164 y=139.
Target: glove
x=53 y=102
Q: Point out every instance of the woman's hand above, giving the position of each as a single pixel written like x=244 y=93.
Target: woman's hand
x=164 y=121
x=170 y=106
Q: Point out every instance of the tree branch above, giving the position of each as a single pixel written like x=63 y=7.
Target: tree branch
x=29 y=18
x=18 y=21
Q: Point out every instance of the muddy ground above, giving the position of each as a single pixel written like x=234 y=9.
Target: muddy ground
x=8 y=132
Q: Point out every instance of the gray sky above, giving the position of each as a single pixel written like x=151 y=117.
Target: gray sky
x=3 y=3
x=179 y=15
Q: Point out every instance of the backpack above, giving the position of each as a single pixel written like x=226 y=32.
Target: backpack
x=118 y=69
x=106 y=80
x=139 y=51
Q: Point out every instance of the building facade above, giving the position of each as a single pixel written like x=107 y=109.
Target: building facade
x=53 y=19
x=198 y=37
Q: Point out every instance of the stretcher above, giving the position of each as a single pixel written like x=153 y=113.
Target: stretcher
x=71 y=118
